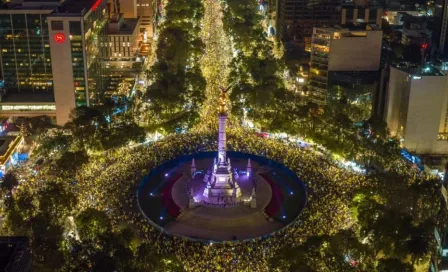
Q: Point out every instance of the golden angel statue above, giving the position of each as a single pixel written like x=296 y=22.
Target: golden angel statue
x=223 y=99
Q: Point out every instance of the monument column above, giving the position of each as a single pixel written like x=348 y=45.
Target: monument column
x=222 y=138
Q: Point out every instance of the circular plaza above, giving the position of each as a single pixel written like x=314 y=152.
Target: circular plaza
x=172 y=198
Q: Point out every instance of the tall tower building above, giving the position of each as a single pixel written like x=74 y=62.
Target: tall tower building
x=25 y=61
x=296 y=18
x=77 y=33
x=440 y=33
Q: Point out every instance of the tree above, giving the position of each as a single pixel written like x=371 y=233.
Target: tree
x=92 y=224
x=393 y=265
x=107 y=109
x=339 y=252
x=86 y=124
x=398 y=50
x=9 y=181
x=56 y=200
x=70 y=161
x=385 y=228
x=46 y=244
x=54 y=143
x=420 y=242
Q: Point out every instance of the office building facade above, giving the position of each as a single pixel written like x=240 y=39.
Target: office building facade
x=25 y=61
x=123 y=37
x=296 y=19
x=440 y=31
x=341 y=50
x=416 y=109
x=76 y=34
x=62 y=49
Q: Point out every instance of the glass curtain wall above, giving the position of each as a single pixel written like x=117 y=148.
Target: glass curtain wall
x=25 y=53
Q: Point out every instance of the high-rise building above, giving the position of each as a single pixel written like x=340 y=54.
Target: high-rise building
x=25 y=61
x=440 y=32
x=57 y=54
x=296 y=18
x=353 y=54
x=77 y=30
x=416 y=109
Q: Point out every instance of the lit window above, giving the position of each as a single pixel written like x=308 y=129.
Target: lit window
x=4 y=50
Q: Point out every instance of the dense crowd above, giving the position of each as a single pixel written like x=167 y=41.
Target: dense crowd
x=111 y=183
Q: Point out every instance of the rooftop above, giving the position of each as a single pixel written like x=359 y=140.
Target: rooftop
x=428 y=70
x=78 y=6
x=31 y=5
x=43 y=1
x=127 y=27
x=351 y=29
x=5 y=143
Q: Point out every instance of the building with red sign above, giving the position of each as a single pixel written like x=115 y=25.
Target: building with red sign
x=78 y=29
x=50 y=56
x=56 y=55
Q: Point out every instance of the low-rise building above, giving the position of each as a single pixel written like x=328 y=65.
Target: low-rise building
x=10 y=148
x=123 y=38
x=395 y=17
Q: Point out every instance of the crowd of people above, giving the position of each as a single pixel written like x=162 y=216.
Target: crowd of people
x=112 y=181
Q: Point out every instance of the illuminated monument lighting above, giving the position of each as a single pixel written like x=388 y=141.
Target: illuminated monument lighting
x=221 y=183
x=214 y=199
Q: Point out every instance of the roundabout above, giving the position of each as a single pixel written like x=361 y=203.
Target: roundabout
x=122 y=185
x=231 y=209
x=163 y=198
